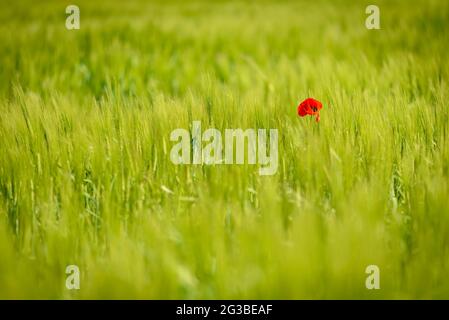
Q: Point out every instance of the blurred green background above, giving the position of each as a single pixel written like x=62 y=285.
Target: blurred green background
x=86 y=178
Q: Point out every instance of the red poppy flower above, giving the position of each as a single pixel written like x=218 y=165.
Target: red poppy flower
x=310 y=107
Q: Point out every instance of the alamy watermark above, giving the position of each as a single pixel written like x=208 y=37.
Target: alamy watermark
x=262 y=147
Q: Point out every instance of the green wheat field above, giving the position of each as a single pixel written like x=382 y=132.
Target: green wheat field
x=85 y=171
